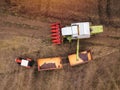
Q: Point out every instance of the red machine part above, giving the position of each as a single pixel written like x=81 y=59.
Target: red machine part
x=56 y=33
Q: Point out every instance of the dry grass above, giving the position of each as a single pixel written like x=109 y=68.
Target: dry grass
x=19 y=37
x=96 y=11
x=103 y=73
x=55 y=8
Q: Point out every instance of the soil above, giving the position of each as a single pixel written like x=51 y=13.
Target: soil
x=28 y=37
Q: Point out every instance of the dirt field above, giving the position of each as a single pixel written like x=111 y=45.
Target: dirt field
x=24 y=36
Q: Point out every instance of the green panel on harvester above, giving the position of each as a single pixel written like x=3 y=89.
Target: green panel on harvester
x=96 y=29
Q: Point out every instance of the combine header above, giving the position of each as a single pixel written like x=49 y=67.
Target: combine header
x=56 y=33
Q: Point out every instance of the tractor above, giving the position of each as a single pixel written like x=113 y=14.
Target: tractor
x=25 y=62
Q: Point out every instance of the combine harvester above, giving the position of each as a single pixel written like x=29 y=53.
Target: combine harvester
x=75 y=31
